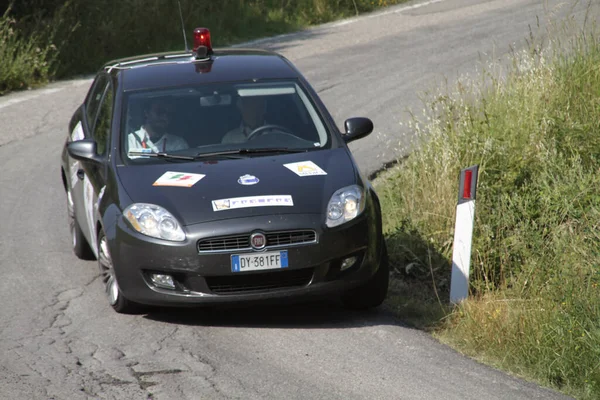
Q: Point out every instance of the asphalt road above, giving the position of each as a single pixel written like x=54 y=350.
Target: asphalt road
x=60 y=340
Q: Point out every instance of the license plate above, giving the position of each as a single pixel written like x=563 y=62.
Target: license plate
x=259 y=261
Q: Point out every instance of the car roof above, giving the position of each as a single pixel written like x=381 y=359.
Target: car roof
x=182 y=68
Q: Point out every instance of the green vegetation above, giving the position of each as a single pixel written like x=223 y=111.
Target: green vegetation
x=87 y=33
x=534 y=128
x=26 y=59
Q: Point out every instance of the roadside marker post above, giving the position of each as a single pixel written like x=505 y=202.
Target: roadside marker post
x=463 y=234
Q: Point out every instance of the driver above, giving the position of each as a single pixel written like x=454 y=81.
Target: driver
x=253 y=110
x=152 y=135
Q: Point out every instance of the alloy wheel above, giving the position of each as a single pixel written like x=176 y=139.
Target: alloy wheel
x=107 y=272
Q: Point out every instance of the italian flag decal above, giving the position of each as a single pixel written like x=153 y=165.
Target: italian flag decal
x=181 y=179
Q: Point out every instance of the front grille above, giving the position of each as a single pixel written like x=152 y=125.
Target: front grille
x=242 y=242
x=225 y=243
x=259 y=282
x=287 y=238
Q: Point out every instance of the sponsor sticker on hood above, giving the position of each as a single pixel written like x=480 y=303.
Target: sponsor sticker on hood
x=252 y=201
x=181 y=179
x=248 y=180
x=305 y=168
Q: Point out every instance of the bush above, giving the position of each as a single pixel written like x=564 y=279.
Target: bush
x=25 y=59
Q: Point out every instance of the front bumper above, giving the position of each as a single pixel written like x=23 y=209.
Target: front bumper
x=206 y=278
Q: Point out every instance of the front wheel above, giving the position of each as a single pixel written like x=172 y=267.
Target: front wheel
x=111 y=287
x=374 y=291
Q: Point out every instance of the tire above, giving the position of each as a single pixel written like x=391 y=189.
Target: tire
x=372 y=293
x=111 y=287
x=80 y=245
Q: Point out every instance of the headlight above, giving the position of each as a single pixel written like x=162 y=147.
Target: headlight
x=345 y=205
x=154 y=221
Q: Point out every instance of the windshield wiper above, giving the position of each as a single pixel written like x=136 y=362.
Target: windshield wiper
x=161 y=155
x=231 y=153
x=251 y=151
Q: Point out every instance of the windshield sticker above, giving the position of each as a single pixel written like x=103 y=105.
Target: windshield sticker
x=248 y=180
x=305 y=168
x=133 y=153
x=181 y=179
x=253 y=201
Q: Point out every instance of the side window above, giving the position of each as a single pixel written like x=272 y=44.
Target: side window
x=91 y=107
x=102 y=129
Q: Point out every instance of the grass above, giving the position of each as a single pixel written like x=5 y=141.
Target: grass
x=534 y=129
x=88 y=34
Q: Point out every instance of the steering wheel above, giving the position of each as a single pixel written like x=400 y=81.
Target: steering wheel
x=262 y=129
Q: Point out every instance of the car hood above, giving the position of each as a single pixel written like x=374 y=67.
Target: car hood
x=191 y=205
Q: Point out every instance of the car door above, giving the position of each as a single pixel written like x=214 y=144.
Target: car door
x=81 y=128
x=94 y=173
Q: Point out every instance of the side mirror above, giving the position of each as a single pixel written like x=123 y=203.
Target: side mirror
x=83 y=150
x=357 y=128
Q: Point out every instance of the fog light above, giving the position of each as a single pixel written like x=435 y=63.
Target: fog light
x=347 y=263
x=163 y=281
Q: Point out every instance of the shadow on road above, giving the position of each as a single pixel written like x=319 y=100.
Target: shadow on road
x=322 y=314
x=418 y=297
x=285 y=41
x=420 y=278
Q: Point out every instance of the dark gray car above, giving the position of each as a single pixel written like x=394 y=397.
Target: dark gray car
x=218 y=176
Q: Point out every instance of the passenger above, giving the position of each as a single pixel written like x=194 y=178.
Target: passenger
x=152 y=135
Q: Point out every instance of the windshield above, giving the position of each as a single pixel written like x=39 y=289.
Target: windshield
x=220 y=118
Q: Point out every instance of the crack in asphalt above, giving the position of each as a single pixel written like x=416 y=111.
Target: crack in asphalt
x=146 y=384
x=326 y=88
x=8 y=142
x=29 y=366
x=43 y=125
x=53 y=328
x=94 y=279
x=194 y=365
x=60 y=310
x=53 y=312
x=139 y=376
x=210 y=378
x=167 y=336
x=83 y=364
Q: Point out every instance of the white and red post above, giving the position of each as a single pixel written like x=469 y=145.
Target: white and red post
x=463 y=234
